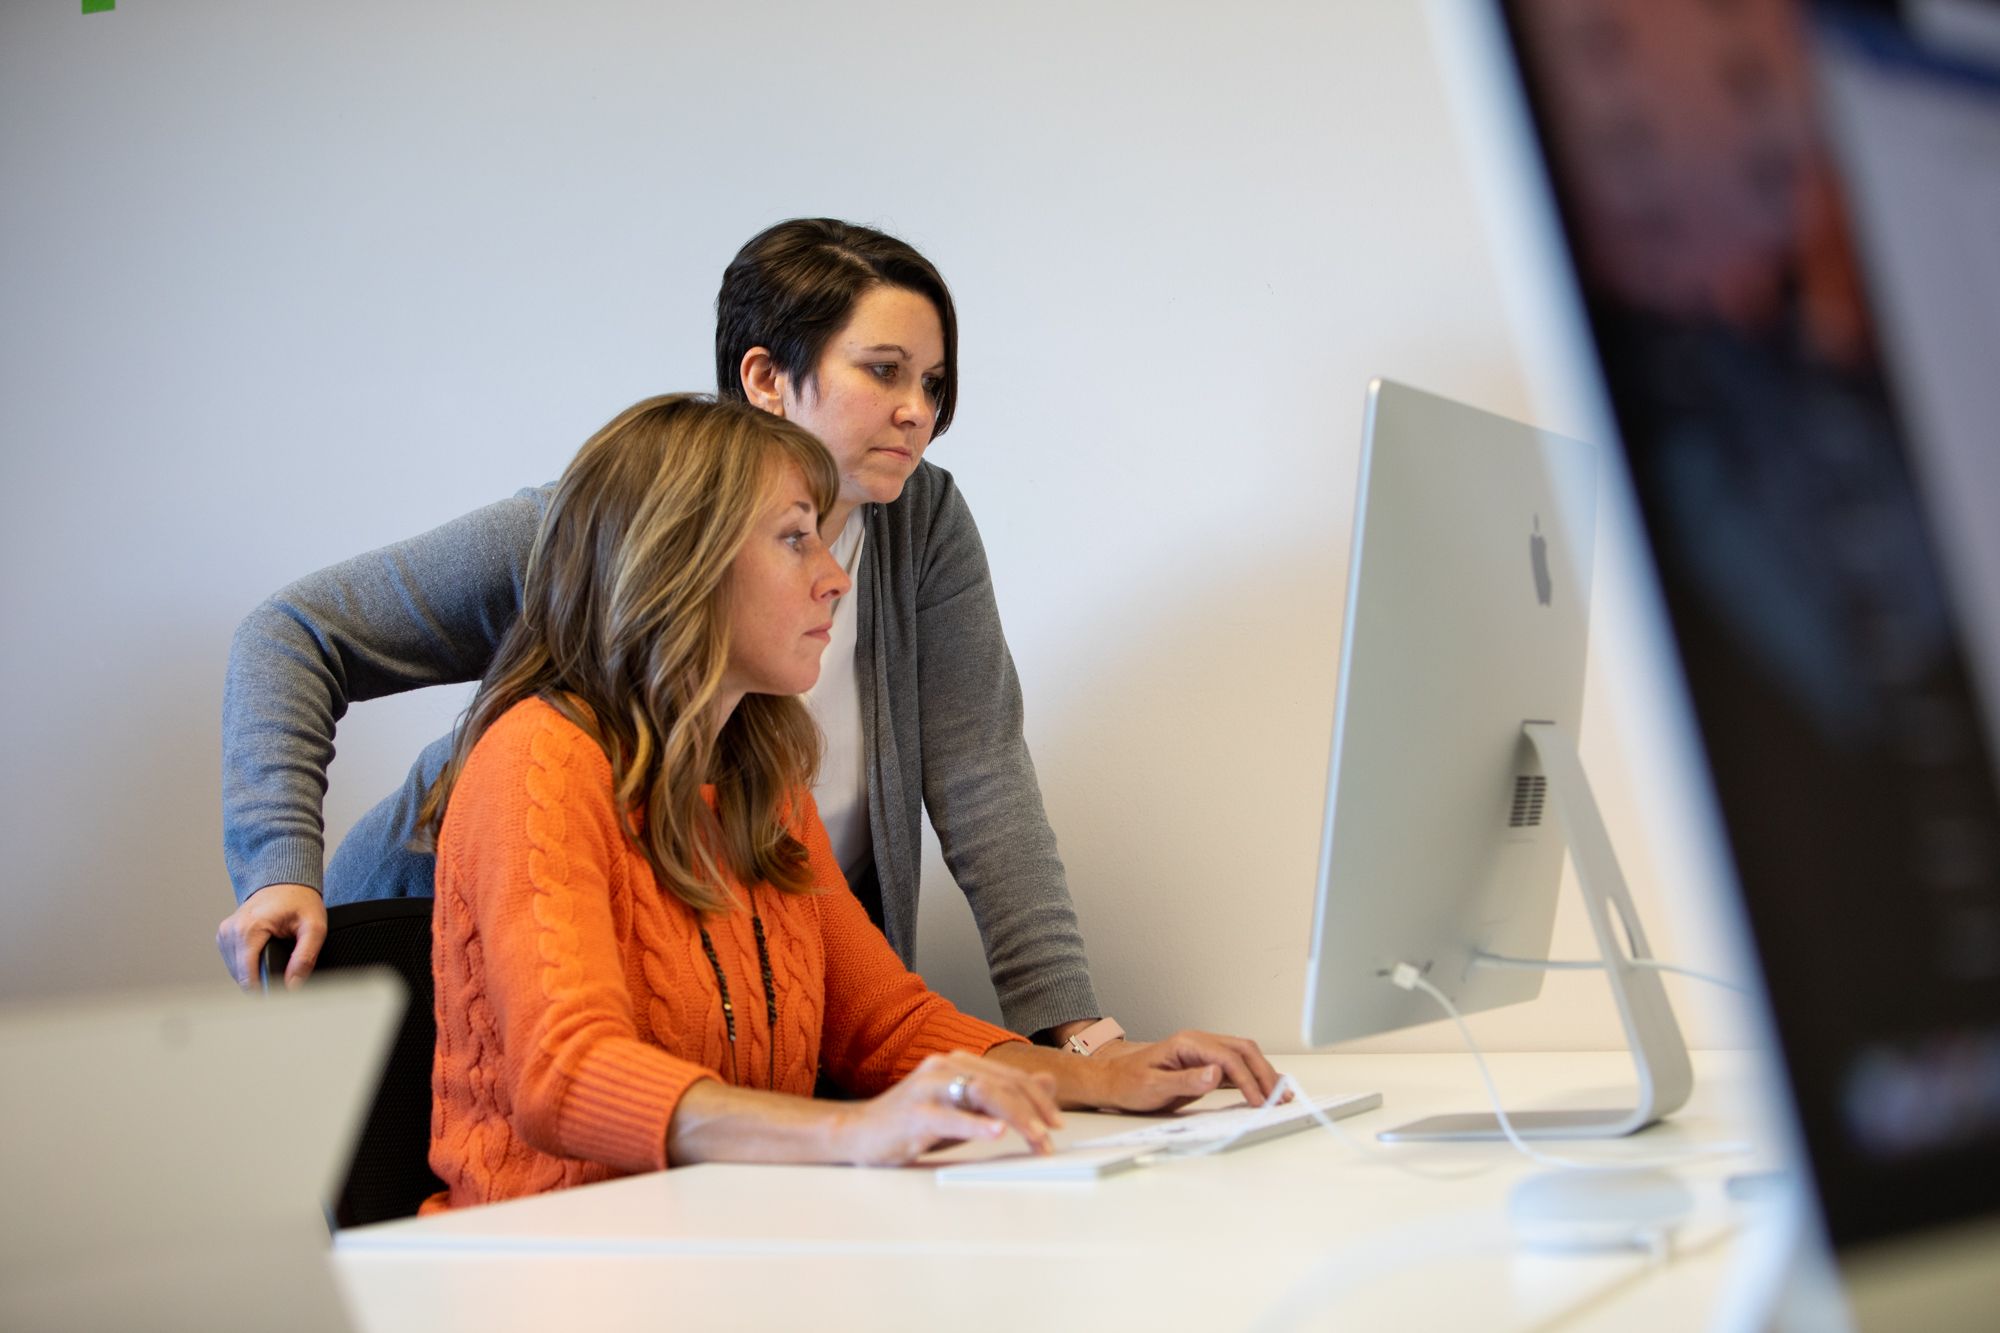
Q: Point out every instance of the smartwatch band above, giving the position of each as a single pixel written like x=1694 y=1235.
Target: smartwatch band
x=1101 y=1033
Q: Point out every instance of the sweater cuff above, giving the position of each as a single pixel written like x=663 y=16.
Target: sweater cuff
x=283 y=861
x=620 y=1102
x=1051 y=1006
x=949 y=1031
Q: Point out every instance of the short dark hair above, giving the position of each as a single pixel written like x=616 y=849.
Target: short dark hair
x=793 y=286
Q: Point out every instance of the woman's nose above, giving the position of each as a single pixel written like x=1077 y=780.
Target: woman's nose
x=832 y=580
x=915 y=407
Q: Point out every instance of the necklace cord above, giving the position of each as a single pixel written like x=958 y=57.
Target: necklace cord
x=729 y=1009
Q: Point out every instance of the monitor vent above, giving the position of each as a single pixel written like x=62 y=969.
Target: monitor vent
x=1530 y=791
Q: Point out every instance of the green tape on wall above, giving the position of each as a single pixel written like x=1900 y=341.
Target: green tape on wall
x=99 y=6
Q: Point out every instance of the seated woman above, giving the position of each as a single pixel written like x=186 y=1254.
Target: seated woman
x=645 y=953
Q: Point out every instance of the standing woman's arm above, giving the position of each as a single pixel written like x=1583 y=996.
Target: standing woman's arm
x=979 y=783
x=426 y=611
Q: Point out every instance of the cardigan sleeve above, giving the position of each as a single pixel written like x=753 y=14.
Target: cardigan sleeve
x=880 y=1020
x=531 y=847
x=979 y=782
x=426 y=611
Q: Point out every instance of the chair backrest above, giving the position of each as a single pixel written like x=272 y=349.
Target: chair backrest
x=391 y=1173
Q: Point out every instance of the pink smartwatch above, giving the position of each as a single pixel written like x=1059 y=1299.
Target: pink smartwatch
x=1101 y=1033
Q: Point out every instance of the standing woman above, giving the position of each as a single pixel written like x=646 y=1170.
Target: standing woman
x=644 y=950
x=850 y=333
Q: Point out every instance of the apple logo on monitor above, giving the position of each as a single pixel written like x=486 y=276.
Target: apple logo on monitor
x=1538 y=556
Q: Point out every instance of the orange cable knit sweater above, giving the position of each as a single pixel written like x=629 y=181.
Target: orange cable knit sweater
x=575 y=1004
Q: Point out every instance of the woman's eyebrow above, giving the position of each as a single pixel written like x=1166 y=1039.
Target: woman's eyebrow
x=901 y=351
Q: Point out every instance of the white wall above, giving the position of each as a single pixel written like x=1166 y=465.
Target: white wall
x=282 y=281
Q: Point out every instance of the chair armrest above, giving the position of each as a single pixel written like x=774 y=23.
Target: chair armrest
x=277 y=956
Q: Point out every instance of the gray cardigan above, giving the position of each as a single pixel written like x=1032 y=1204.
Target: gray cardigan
x=940 y=710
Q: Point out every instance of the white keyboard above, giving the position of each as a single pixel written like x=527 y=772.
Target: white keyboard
x=1233 y=1127
x=1188 y=1133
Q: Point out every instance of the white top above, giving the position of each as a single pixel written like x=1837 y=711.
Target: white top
x=842 y=788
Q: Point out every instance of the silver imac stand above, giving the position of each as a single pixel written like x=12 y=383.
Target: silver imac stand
x=1654 y=1038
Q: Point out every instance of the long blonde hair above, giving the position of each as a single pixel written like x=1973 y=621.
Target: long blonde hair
x=624 y=630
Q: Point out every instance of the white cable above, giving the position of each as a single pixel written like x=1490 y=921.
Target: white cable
x=1409 y=978
x=1406 y=976
x=1598 y=965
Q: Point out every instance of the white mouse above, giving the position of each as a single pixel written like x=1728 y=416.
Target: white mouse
x=1613 y=1208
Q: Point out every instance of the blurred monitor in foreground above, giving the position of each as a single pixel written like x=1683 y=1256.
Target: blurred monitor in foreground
x=168 y=1154
x=1783 y=221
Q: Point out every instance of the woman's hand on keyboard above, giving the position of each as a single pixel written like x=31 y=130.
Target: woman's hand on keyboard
x=1163 y=1075
x=946 y=1099
x=1149 y=1075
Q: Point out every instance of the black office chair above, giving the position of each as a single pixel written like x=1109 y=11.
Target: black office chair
x=391 y=1172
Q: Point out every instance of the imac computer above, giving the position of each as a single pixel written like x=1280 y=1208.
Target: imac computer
x=1455 y=787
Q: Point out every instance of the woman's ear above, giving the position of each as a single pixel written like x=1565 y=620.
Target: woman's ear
x=763 y=383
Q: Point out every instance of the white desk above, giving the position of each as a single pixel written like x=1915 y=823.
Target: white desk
x=1305 y=1226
